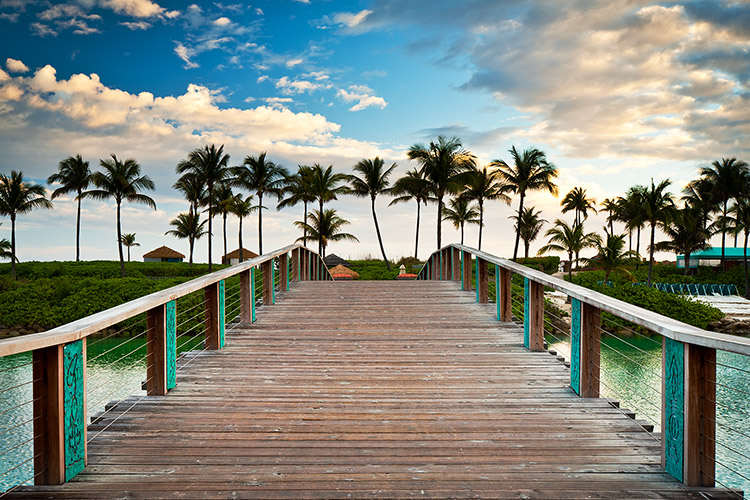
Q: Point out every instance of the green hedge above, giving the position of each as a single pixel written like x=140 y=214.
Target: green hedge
x=549 y=265
x=373 y=270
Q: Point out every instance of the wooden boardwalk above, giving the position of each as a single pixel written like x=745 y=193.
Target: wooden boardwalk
x=371 y=390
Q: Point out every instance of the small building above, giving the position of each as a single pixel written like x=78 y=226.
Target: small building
x=333 y=260
x=233 y=258
x=343 y=273
x=163 y=254
x=711 y=257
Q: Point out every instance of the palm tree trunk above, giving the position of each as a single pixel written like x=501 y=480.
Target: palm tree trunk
x=526 y=245
x=128 y=253
x=304 y=235
x=320 y=235
x=78 y=229
x=191 y=242
x=651 y=253
x=570 y=267
x=119 y=241
x=481 y=223
x=260 y=223
x=687 y=263
x=210 y=222
x=239 y=238
x=439 y=221
x=630 y=240
x=13 y=246
x=518 y=229
x=462 y=233
x=638 y=247
x=723 y=237
x=224 y=233
x=747 y=288
x=416 y=238
x=377 y=231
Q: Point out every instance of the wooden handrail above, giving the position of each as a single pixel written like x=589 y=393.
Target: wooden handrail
x=89 y=325
x=668 y=327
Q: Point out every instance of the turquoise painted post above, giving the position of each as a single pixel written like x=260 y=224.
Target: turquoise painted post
x=288 y=270
x=526 y=311
x=273 y=283
x=74 y=419
x=222 y=314
x=462 y=271
x=252 y=292
x=674 y=407
x=575 y=346
x=497 y=290
x=171 y=344
x=476 y=276
x=440 y=255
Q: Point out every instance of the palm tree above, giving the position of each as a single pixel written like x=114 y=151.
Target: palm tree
x=5 y=249
x=570 y=239
x=188 y=226
x=121 y=180
x=577 y=201
x=297 y=190
x=193 y=189
x=484 y=184
x=728 y=179
x=325 y=228
x=699 y=194
x=630 y=213
x=261 y=176
x=612 y=256
x=128 y=239
x=241 y=208
x=374 y=181
x=530 y=225
x=742 y=214
x=657 y=208
x=209 y=165
x=324 y=186
x=443 y=163
x=412 y=186
x=223 y=200
x=18 y=197
x=685 y=232
x=611 y=206
x=75 y=176
x=530 y=172
x=460 y=211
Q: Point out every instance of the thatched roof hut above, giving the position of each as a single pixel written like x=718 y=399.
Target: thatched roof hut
x=163 y=254
x=233 y=257
x=333 y=260
x=343 y=273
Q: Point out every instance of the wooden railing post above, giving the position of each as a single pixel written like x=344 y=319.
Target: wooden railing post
x=215 y=322
x=267 y=269
x=585 y=349
x=533 y=317
x=483 y=278
x=59 y=386
x=247 y=298
x=252 y=292
x=284 y=272
x=502 y=293
x=161 y=350
x=466 y=271
x=295 y=265
x=456 y=263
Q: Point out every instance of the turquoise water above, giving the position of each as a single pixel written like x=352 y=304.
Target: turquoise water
x=631 y=373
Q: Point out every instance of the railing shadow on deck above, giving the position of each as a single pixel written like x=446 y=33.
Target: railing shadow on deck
x=692 y=384
x=49 y=383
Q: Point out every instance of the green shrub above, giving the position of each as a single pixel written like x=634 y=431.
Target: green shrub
x=373 y=270
x=548 y=264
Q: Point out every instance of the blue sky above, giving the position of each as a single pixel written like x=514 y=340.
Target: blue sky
x=614 y=93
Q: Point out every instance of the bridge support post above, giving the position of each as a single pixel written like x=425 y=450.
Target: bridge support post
x=295 y=265
x=215 y=321
x=267 y=270
x=502 y=294
x=483 y=278
x=533 y=317
x=284 y=272
x=585 y=349
x=466 y=270
x=59 y=375
x=247 y=297
x=161 y=350
x=456 y=263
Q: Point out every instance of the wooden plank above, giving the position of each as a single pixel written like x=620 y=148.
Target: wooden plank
x=247 y=298
x=590 y=351
x=504 y=291
x=466 y=272
x=700 y=415
x=211 y=322
x=49 y=446
x=483 y=278
x=268 y=285
x=156 y=351
x=535 y=314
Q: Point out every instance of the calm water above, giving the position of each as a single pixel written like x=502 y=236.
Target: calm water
x=631 y=373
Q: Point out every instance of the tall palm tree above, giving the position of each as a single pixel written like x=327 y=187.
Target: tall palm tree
x=261 y=176
x=209 y=165
x=460 y=212
x=324 y=186
x=484 y=184
x=121 y=180
x=412 y=186
x=529 y=227
x=657 y=208
x=612 y=256
x=742 y=214
x=223 y=200
x=188 y=226
x=530 y=172
x=325 y=227
x=444 y=162
x=75 y=176
x=577 y=201
x=193 y=189
x=728 y=178
x=297 y=190
x=18 y=197
x=241 y=208
x=611 y=207
x=685 y=232
x=5 y=250
x=630 y=213
x=373 y=181
x=128 y=239
x=570 y=239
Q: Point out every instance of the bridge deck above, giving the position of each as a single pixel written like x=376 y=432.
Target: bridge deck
x=371 y=390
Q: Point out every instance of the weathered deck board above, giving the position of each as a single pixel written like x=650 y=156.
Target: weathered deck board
x=371 y=390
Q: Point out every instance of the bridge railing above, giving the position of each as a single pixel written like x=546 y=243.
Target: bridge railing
x=693 y=382
x=50 y=381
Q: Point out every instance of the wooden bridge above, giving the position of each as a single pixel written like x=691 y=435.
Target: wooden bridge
x=357 y=390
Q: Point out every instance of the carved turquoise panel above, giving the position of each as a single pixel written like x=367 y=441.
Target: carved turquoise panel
x=273 y=283
x=171 y=344
x=476 y=276
x=222 y=314
x=252 y=292
x=526 y=315
x=288 y=271
x=497 y=289
x=462 y=271
x=74 y=417
x=575 y=346
x=674 y=404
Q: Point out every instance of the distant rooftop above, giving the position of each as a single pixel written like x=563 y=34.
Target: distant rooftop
x=163 y=252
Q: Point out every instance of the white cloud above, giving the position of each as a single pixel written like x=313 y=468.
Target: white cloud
x=293 y=62
x=262 y=78
x=137 y=25
x=186 y=54
x=290 y=87
x=40 y=29
x=16 y=66
x=364 y=100
x=222 y=21
x=136 y=8
x=351 y=20
x=259 y=11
